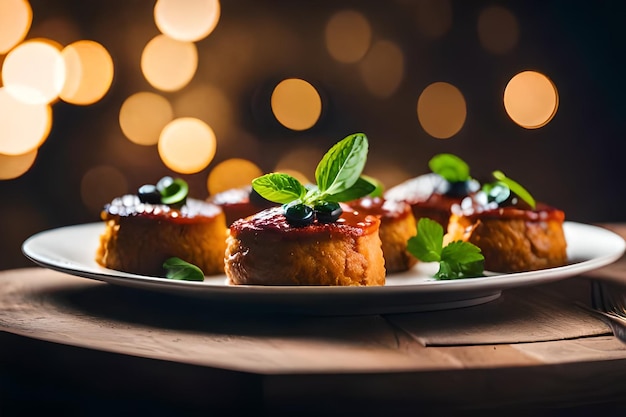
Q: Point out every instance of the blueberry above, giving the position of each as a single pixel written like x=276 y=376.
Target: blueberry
x=327 y=212
x=148 y=193
x=298 y=214
x=458 y=189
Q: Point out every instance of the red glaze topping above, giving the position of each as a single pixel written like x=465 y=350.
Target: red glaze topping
x=273 y=221
x=129 y=205
x=474 y=210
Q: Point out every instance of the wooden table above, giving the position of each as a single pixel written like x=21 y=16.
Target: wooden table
x=83 y=347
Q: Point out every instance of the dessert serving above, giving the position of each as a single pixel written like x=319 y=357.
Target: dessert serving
x=514 y=232
x=310 y=239
x=143 y=231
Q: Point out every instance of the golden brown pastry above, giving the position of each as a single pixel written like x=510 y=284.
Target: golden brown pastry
x=397 y=226
x=265 y=249
x=513 y=239
x=139 y=237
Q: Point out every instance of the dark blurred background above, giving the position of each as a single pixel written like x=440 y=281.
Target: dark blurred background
x=574 y=162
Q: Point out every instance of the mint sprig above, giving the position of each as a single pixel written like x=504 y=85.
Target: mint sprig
x=177 y=269
x=457 y=259
x=338 y=177
x=450 y=167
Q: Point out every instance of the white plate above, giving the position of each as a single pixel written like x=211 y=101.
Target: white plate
x=72 y=250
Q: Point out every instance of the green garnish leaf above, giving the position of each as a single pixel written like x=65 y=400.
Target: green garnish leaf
x=462 y=260
x=456 y=260
x=279 y=188
x=360 y=188
x=450 y=167
x=379 y=188
x=516 y=188
x=427 y=244
x=342 y=165
x=175 y=192
x=176 y=268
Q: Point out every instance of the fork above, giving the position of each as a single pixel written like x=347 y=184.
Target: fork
x=609 y=301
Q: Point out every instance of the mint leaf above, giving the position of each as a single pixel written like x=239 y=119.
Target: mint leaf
x=176 y=268
x=456 y=260
x=359 y=189
x=516 y=188
x=279 y=188
x=342 y=165
x=378 y=186
x=462 y=259
x=450 y=167
x=427 y=244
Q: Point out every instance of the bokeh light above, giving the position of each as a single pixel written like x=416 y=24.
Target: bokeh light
x=383 y=69
x=100 y=185
x=232 y=173
x=187 y=20
x=296 y=104
x=187 y=145
x=441 y=110
x=14 y=166
x=34 y=72
x=23 y=127
x=498 y=30
x=89 y=72
x=169 y=64
x=16 y=17
x=143 y=116
x=434 y=17
x=348 y=36
x=531 y=99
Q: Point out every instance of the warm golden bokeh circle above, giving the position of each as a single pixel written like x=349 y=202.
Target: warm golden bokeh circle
x=89 y=72
x=16 y=17
x=169 y=64
x=187 y=145
x=189 y=20
x=23 y=127
x=232 y=173
x=531 y=99
x=34 y=71
x=348 y=36
x=13 y=166
x=296 y=104
x=382 y=69
x=143 y=116
x=441 y=110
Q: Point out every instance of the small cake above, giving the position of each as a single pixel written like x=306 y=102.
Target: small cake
x=512 y=237
x=139 y=237
x=397 y=225
x=239 y=203
x=266 y=249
